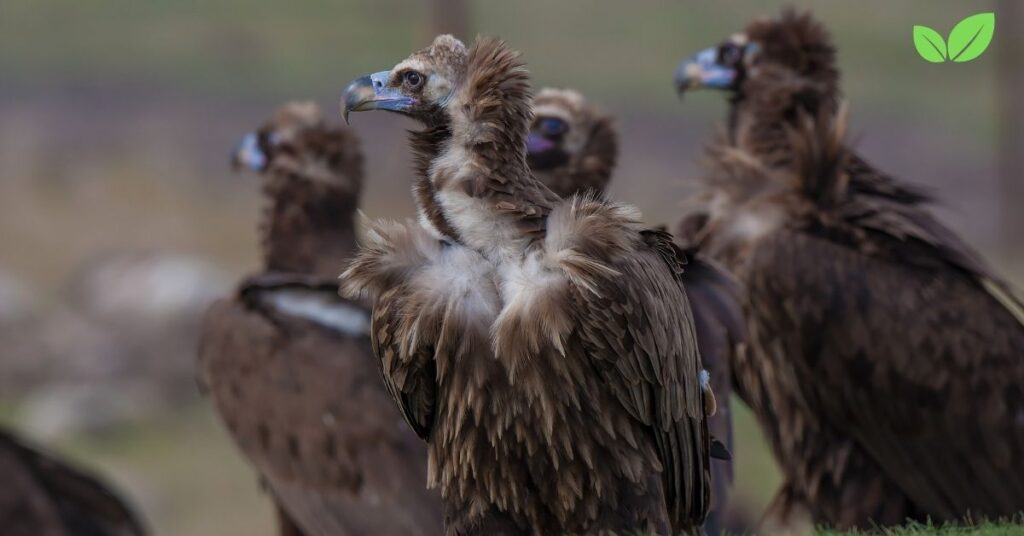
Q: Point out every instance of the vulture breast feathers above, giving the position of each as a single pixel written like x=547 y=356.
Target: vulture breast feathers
x=572 y=148
x=287 y=363
x=885 y=360
x=543 y=347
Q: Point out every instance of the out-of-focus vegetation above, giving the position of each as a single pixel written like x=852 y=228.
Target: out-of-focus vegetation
x=116 y=117
x=244 y=48
x=987 y=528
x=181 y=469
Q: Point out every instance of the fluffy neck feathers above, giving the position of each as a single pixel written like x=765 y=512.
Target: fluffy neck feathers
x=480 y=178
x=492 y=106
x=772 y=103
x=426 y=146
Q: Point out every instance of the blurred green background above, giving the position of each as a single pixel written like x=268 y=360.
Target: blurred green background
x=117 y=116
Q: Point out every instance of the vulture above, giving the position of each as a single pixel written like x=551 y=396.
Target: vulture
x=885 y=356
x=572 y=148
x=287 y=362
x=543 y=347
x=41 y=495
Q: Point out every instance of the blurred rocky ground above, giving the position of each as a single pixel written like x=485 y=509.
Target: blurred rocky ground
x=118 y=345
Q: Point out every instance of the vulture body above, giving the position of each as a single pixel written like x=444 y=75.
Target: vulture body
x=287 y=362
x=43 y=496
x=572 y=148
x=885 y=361
x=543 y=347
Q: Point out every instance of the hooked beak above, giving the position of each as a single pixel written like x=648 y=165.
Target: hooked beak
x=537 y=144
x=543 y=154
x=248 y=154
x=372 y=93
x=703 y=71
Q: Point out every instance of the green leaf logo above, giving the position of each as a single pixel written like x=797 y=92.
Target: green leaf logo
x=971 y=36
x=968 y=40
x=930 y=44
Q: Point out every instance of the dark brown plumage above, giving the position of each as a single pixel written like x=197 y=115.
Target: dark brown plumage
x=287 y=362
x=716 y=300
x=572 y=149
x=41 y=495
x=544 y=347
x=885 y=363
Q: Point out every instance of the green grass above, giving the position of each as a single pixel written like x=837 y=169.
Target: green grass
x=756 y=474
x=1006 y=528
x=185 y=476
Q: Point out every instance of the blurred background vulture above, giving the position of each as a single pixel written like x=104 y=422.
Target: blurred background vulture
x=287 y=362
x=572 y=148
x=543 y=348
x=885 y=362
x=41 y=495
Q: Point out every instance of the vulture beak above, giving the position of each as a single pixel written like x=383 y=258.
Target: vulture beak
x=372 y=93
x=537 y=144
x=248 y=154
x=704 y=70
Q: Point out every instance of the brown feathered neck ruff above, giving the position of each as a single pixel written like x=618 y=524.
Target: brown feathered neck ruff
x=792 y=72
x=776 y=103
x=426 y=144
x=821 y=158
x=312 y=183
x=827 y=191
x=816 y=174
x=800 y=43
x=480 y=178
x=491 y=113
x=592 y=145
x=748 y=198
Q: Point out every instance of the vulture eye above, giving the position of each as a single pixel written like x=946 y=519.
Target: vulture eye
x=552 y=126
x=413 y=79
x=730 y=54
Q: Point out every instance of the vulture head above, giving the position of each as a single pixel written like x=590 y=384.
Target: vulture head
x=297 y=144
x=313 y=176
x=419 y=86
x=476 y=106
x=572 y=147
x=792 y=45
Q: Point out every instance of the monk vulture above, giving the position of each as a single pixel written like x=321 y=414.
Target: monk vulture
x=885 y=363
x=572 y=148
x=43 y=496
x=287 y=362
x=543 y=348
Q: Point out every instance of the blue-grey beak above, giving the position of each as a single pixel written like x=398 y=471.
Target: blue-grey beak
x=372 y=93
x=704 y=70
x=536 y=144
x=249 y=155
